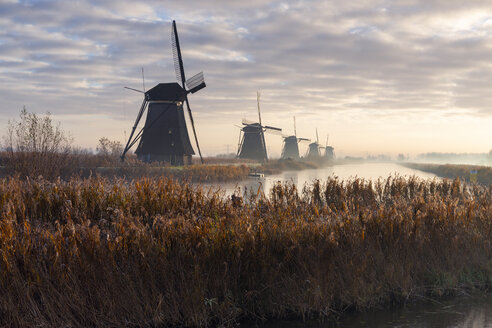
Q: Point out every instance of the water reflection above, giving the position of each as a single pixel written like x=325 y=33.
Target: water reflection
x=460 y=312
x=372 y=171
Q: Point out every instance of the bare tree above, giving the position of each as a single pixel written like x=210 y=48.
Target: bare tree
x=35 y=146
x=109 y=148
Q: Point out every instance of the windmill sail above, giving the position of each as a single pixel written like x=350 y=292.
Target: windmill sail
x=178 y=60
x=195 y=83
x=178 y=66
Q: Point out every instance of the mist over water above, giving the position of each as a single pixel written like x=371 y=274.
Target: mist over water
x=484 y=159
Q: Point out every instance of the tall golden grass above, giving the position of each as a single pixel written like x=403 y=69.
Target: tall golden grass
x=155 y=252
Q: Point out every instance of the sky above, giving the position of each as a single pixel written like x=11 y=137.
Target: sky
x=378 y=77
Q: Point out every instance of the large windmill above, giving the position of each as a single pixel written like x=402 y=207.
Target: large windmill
x=252 y=145
x=314 y=150
x=291 y=145
x=164 y=136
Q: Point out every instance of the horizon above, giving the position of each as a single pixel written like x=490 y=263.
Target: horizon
x=379 y=78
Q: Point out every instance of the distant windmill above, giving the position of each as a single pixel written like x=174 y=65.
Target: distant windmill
x=314 y=149
x=291 y=147
x=164 y=136
x=329 y=151
x=252 y=145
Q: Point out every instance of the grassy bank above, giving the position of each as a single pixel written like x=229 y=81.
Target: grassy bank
x=154 y=252
x=84 y=165
x=453 y=171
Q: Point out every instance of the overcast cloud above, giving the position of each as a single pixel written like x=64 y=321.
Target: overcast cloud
x=337 y=65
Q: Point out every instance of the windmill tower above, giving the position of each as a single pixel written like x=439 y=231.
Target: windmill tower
x=329 y=151
x=164 y=136
x=252 y=145
x=314 y=149
x=291 y=147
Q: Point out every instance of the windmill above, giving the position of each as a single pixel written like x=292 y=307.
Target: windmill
x=252 y=144
x=291 y=147
x=314 y=149
x=164 y=136
x=329 y=151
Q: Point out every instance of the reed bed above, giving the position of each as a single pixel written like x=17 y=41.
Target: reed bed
x=194 y=173
x=453 y=171
x=66 y=166
x=155 y=252
x=83 y=165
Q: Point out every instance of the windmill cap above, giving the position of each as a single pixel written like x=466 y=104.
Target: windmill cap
x=166 y=92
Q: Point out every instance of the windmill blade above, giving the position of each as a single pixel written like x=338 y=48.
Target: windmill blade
x=238 y=126
x=178 y=60
x=303 y=140
x=258 y=104
x=129 y=142
x=239 y=145
x=143 y=79
x=195 y=83
x=317 y=139
x=134 y=89
x=180 y=75
x=272 y=130
x=295 y=130
x=194 y=131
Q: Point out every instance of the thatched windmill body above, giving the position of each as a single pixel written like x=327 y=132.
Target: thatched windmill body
x=290 y=149
x=252 y=138
x=164 y=136
x=329 y=151
x=314 y=149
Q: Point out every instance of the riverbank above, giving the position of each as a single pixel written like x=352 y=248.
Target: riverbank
x=452 y=171
x=154 y=252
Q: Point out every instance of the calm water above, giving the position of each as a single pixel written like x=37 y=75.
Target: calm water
x=371 y=171
x=459 y=312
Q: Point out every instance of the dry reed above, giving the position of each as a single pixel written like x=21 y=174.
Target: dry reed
x=155 y=252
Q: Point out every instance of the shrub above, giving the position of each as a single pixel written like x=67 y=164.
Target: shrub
x=35 y=146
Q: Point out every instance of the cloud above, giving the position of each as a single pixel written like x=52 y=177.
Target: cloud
x=321 y=58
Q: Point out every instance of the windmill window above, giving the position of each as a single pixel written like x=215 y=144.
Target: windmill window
x=170 y=131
